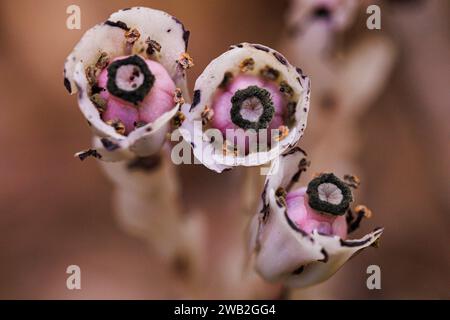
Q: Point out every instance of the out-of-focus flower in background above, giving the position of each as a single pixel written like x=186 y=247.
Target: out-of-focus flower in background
x=300 y=236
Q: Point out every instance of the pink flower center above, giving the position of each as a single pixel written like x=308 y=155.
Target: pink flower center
x=129 y=78
x=309 y=219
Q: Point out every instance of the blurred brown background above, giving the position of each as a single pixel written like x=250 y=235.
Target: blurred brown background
x=55 y=211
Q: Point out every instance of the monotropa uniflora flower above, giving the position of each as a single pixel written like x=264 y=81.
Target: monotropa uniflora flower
x=129 y=73
x=300 y=237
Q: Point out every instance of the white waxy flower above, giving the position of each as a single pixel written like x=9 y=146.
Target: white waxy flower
x=129 y=72
x=249 y=106
x=299 y=237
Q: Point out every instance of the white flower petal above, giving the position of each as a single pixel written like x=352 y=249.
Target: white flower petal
x=109 y=38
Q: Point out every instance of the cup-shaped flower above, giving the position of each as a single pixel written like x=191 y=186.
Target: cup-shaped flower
x=250 y=105
x=129 y=73
x=300 y=237
x=331 y=15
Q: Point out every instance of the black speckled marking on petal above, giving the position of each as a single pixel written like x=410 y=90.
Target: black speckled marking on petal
x=298 y=271
x=265 y=211
x=279 y=204
x=89 y=153
x=302 y=167
x=300 y=73
x=296 y=176
x=196 y=99
x=96 y=89
x=325 y=256
x=186 y=33
x=109 y=145
x=67 y=85
x=139 y=124
x=294 y=226
x=280 y=58
x=260 y=47
x=354 y=243
x=118 y=24
x=176 y=20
